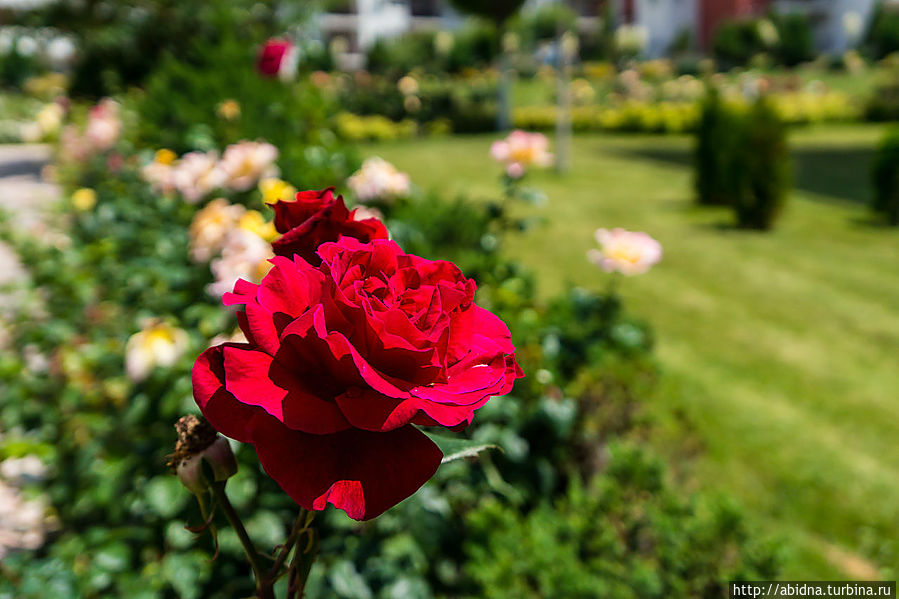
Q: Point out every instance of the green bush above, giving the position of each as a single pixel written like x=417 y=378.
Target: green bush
x=179 y=111
x=886 y=178
x=795 y=43
x=715 y=138
x=883 y=34
x=735 y=42
x=760 y=167
x=544 y=23
x=120 y=43
x=883 y=104
x=624 y=535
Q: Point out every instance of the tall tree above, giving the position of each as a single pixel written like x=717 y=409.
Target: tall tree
x=499 y=12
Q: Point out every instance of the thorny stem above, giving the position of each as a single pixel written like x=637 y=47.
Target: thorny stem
x=299 y=526
x=263 y=584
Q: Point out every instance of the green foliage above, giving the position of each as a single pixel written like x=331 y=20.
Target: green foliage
x=397 y=56
x=885 y=178
x=883 y=104
x=760 y=168
x=467 y=108
x=498 y=11
x=715 y=139
x=15 y=67
x=742 y=159
x=179 y=110
x=545 y=23
x=883 y=34
x=120 y=43
x=795 y=44
x=625 y=534
x=736 y=42
x=476 y=45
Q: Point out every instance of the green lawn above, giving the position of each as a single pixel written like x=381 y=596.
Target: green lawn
x=780 y=351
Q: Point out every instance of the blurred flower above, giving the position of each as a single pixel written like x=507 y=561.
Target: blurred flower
x=521 y=150
x=60 y=51
x=165 y=156
x=160 y=173
x=367 y=212
x=582 y=91
x=84 y=199
x=275 y=190
x=378 y=180
x=570 y=45
x=444 y=42
x=320 y=79
x=255 y=223
x=26 y=45
x=768 y=33
x=23 y=522
x=236 y=336
x=23 y=470
x=49 y=119
x=278 y=58
x=627 y=252
x=511 y=42
x=210 y=226
x=853 y=25
x=411 y=103
x=73 y=146
x=407 y=85
x=245 y=255
x=103 y=125
x=246 y=162
x=157 y=344
x=197 y=174
x=631 y=39
x=228 y=110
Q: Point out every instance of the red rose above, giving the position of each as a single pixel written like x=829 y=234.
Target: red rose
x=342 y=360
x=272 y=56
x=316 y=217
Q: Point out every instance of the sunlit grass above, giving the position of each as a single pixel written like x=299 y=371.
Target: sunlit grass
x=779 y=350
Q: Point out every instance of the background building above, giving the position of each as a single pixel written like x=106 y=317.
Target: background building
x=837 y=24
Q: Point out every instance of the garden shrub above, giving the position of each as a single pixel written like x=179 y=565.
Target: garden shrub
x=760 y=167
x=120 y=43
x=624 y=534
x=885 y=177
x=883 y=33
x=179 y=110
x=735 y=42
x=411 y=51
x=795 y=43
x=883 y=104
x=715 y=138
x=544 y=23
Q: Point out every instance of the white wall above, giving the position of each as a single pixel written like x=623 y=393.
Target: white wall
x=664 y=20
x=381 y=18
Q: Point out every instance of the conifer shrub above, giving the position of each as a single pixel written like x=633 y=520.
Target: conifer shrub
x=885 y=177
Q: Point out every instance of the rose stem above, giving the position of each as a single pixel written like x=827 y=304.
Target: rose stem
x=263 y=586
x=302 y=561
x=298 y=526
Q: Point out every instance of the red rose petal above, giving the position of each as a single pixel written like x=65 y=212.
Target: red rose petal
x=254 y=378
x=360 y=472
x=226 y=415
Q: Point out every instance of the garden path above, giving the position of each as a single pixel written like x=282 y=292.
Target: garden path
x=24 y=194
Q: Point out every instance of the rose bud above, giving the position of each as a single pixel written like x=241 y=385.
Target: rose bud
x=198 y=442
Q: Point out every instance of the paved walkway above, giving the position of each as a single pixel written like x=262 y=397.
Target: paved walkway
x=23 y=194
